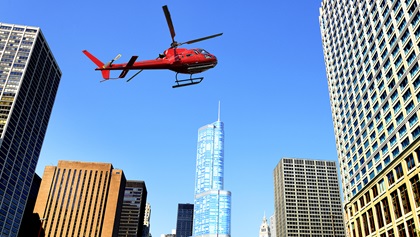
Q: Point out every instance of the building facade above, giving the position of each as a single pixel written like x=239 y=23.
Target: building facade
x=146 y=222
x=264 y=228
x=273 y=229
x=80 y=199
x=133 y=209
x=212 y=204
x=29 y=80
x=184 y=220
x=371 y=53
x=307 y=199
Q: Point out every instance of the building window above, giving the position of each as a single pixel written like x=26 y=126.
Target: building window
x=405 y=199
x=401 y=230
x=371 y=220
x=400 y=118
x=390 y=177
x=387 y=160
x=359 y=228
x=381 y=186
x=415 y=186
x=375 y=191
x=365 y=224
x=399 y=171
x=396 y=152
x=410 y=162
x=418 y=154
x=413 y=120
x=353 y=229
x=387 y=212
x=379 y=216
x=411 y=228
x=396 y=204
x=391 y=233
x=416 y=131
x=367 y=195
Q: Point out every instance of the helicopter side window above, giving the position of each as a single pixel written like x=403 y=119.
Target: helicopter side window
x=195 y=51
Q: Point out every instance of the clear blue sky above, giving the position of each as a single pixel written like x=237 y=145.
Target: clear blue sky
x=270 y=80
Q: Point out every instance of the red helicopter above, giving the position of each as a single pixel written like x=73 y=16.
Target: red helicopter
x=179 y=60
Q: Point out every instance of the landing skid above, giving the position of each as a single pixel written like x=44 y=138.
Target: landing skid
x=187 y=82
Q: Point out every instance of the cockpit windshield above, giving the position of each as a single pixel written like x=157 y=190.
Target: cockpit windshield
x=202 y=51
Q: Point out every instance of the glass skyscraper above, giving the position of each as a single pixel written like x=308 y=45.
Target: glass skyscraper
x=29 y=80
x=212 y=204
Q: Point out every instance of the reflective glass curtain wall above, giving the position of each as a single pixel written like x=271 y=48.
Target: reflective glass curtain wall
x=212 y=204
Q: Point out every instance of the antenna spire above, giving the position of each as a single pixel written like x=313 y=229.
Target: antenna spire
x=218 y=113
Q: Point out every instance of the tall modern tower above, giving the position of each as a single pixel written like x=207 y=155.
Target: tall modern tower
x=80 y=199
x=307 y=199
x=371 y=52
x=184 y=220
x=212 y=204
x=29 y=79
x=133 y=209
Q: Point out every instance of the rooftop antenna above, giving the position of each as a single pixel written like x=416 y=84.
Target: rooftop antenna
x=218 y=113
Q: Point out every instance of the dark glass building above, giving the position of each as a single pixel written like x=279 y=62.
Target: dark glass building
x=31 y=223
x=133 y=209
x=29 y=80
x=185 y=220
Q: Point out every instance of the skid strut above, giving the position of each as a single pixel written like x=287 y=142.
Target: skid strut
x=187 y=82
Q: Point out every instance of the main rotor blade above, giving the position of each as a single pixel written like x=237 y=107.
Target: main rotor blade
x=169 y=21
x=201 y=39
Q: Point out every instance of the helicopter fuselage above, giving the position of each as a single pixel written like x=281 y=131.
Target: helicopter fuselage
x=180 y=60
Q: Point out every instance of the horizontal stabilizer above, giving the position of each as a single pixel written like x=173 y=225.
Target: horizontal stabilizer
x=127 y=66
x=93 y=58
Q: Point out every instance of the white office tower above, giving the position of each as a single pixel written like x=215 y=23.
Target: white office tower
x=371 y=52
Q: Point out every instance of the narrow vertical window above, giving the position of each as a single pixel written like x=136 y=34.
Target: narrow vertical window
x=405 y=199
x=401 y=230
x=371 y=220
x=396 y=204
x=415 y=186
x=379 y=215
x=387 y=212
x=411 y=228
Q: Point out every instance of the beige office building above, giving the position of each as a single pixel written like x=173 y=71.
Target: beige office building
x=371 y=52
x=307 y=199
x=80 y=199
